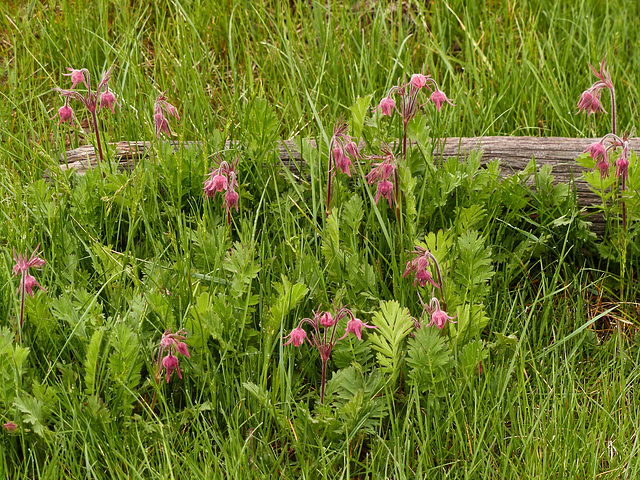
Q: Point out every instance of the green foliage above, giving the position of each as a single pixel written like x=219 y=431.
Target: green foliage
x=429 y=359
x=393 y=324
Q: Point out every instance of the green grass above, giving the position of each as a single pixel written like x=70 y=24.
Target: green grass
x=130 y=254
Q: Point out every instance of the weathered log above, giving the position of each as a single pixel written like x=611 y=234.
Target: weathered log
x=514 y=154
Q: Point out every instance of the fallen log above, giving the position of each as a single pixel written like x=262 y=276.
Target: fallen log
x=514 y=154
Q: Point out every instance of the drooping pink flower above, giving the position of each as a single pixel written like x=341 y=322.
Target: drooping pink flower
x=438 y=97
x=590 y=101
x=77 y=76
x=296 y=337
x=421 y=266
x=385 y=189
x=387 y=105
x=622 y=165
x=27 y=283
x=231 y=200
x=603 y=166
x=162 y=125
x=181 y=347
x=597 y=150
x=10 y=427
x=327 y=320
x=418 y=80
x=170 y=363
x=355 y=326
x=439 y=317
x=342 y=161
x=66 y=114
x=171 y=343
x=108 y=100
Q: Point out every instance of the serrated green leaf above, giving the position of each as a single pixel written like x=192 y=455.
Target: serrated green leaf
x=91 y=361
x=393 y=324
x=358 y=114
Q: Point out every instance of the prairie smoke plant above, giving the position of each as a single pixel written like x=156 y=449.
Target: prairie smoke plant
x=27 y=282
x=89 y=99
x=160 y=110
x=385 y=175
x=438 y=317
x=10 y=427
x=326 y=339
x=408 y=104
x=420 y=266
x=171 y=343
x=590 y=102
x=224 y=178
x=342 y=150
x=590 y=98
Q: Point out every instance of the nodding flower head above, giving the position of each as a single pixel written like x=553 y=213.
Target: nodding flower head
x=355 y=326
x=420 y=265
x=327 y=320
x=385 y=189
x=10 y=427
x=66 y=114
x=387 y=105
x=77 y=76
x=590 y=101
x=108 y=100
x=597 y=150
x=170 y=363
x=161 y=107
x=439 y=318
x=418 y=80
x=172 y=343
x=342 y=160
x=296 y=337
x=622 y=164
x=438 y=97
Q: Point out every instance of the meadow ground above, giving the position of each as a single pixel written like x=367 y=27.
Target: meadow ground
x=536 y=379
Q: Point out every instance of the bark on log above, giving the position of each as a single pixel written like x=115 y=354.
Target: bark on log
x=514 y=154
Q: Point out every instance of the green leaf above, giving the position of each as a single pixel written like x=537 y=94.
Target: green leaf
x=358 y=114
x=429 y=361
x=289 y=296
x=91 y=361
x=393 y=324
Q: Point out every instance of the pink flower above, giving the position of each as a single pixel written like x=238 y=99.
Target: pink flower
x=439 y=318
x=162 y=125
x=108 y=100
x=173 y=342
x=10 y=427
x=66 y=115
x=231 y=200
x=170 y=362
x=603 y=166
x=343 y=162
x=23 y=265
x=387 y=104
x=296 y=337
x=418 y=80
x=622 y=165
x=385 y=189
x=181 y=347
x=162 y=106
x=438 y=97
x=327 y=320
x=355 y=326
x=352 y=149
x=597 y=150
x=27 y=283
x=77 y=76
x=590 y=101
x=219 y=182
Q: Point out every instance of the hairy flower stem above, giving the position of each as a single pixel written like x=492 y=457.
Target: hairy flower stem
x=324 y=379
x=95 y=124
x=329 y=177
x=613 y=110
